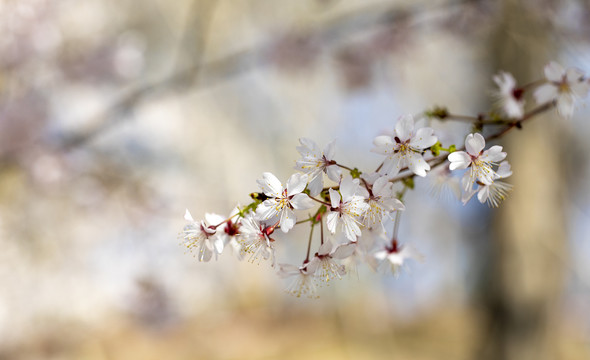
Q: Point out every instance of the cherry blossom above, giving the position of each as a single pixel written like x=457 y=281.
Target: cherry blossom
x=494 y=193
x=347 y=208
x=201 y=237
x=315 y=163
x=509 y=96
x=563 y=85
x=381 y=200
x=479 y=162
x=394 y=256
x=405 y=148
x=325 y=261
x=303 y=279
x=283 y=200
x=255 y=240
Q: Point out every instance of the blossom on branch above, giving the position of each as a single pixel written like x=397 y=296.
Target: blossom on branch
x=393 y=257
x=509 y=97
x=304 y=279
x=405 y=148
x=201 y=236
x=494 y=193
x=347 y=208
x=315 y=163
x=283 y=200
x=479 y=162
x=381 y=200
x=256 y=241
x=564 y=86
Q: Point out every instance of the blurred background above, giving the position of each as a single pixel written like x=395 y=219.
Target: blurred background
x=117 y=115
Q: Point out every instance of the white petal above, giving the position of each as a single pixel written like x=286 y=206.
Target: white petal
x=266 y=209
x=334 y=198
x=474 y=144
x=329 y=150
x=392 y=165
x=417 y=164
x=574 y=75
x=554 y=71
x=493 y=154
x=345 y=250
x=545 y=93
x=334 y=172
x=504 y=170
x=296 y=183
x=459 y=160
x=188 y=217
x=404 y=127
x=302 y=202
x=270 y=185
x=565 y=105
x=288 y=220
x=384 y=145
x=332 y=221
x=581 y=88
x=325 y=248
x=214 y=219
x=348 y=187
x=423 y=139
x=483 y=194
x=218 y=244
x=381 y=186
x=308 y=148
x=316 y=185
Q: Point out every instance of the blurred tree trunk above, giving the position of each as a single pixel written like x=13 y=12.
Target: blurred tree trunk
x=526 y=272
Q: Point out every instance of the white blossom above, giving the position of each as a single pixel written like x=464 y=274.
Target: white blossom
x=201 y=236
x=394 y=256
x=380 y=199
x=283 y=200
x=563 y=85
x=509 y=96
x=315 y=163
x=405 y=148
x=255 y=240
x=303 y=279
x=494 y=193
x=325 y=263
x=479 y=162
x=347 y=208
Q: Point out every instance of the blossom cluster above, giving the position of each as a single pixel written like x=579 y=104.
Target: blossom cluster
x=361 y=210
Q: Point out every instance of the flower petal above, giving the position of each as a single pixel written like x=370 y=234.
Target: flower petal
x=296 y=183
x=348 y=187
x=459 y=160
x=423 y=139
x=270 y=185
x=474 y=144
x=332 y=220
x=417 y=164
x=334 y=198
x=392 y=165
x=384 y=145
x=554 y=71
x=288 y=220
x=301 y=202
x=545 y=93
x=334 y=172
x=316 y=184
x=329 y=150
x=565 y=105
x=404 y=127
x=188 y=217
x=493 y=154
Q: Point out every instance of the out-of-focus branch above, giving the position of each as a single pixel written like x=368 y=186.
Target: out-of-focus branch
x=210 y=72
